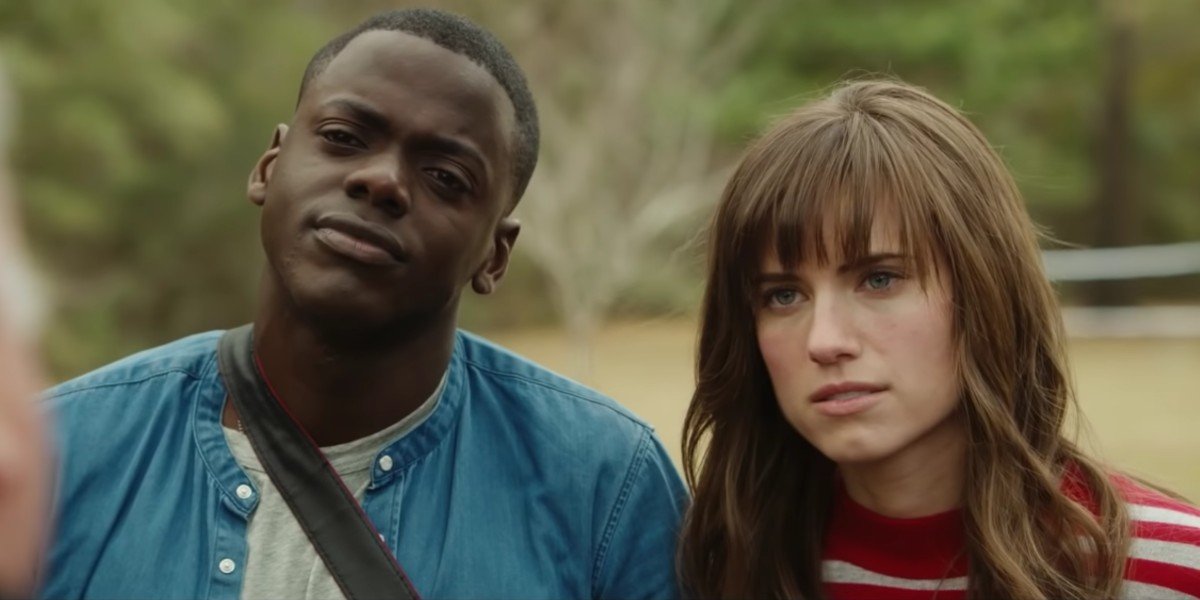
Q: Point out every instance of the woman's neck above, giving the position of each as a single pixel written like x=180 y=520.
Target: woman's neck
x=922 y=479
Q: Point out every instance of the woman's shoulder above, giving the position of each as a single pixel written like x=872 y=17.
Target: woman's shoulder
x=1164 y=547
x=1157 y=515
x=1142 y=498
x=1138 y=493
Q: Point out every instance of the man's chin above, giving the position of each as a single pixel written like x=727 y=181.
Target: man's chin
x=359 y=315
x=338 y=302
x=346 y=311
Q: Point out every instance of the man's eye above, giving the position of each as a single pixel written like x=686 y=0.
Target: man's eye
x=448 y=180
x=341 y=138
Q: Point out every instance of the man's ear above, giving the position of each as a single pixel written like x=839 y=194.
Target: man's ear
x=260 y=175
x=494 y=266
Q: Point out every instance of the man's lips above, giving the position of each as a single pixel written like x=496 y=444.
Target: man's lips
x=360 y=240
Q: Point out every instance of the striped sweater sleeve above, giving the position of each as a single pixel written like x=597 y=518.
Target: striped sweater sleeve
x=1164 y=555
x=871 y=556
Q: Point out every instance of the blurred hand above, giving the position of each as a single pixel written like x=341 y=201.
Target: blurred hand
x=25 y=470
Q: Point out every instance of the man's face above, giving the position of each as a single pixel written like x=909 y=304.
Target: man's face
x=389 y=191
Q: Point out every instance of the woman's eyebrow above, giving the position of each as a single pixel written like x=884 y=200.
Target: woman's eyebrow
x=870 y=260
x=774 y=277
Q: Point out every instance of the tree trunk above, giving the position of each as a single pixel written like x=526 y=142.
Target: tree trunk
x=1117 y=214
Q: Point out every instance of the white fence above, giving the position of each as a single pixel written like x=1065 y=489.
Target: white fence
x=1137 y=262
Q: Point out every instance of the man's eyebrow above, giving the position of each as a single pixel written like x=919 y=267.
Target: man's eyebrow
x=870 y=260
x=448 y=145
x=361 y=112
x=373 y=119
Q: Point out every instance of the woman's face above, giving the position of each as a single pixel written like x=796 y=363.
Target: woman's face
x=861 y=356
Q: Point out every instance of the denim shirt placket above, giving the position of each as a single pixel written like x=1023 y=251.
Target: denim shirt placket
x=236 y=493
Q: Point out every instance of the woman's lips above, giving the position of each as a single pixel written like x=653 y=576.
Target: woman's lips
x=846 y=397
x=841 y=405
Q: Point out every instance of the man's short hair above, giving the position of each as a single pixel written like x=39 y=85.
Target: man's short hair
x=461 y=36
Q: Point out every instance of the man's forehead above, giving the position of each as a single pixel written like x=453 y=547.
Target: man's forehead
x=414 y=81
x=402 y=58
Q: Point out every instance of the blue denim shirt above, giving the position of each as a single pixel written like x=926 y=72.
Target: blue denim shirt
x=521 y=484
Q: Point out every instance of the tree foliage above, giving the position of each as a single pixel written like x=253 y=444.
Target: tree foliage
x=141 y=119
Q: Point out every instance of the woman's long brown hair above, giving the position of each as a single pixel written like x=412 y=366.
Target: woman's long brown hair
x=762 y=494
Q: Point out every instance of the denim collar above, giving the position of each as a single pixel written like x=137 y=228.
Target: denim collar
x=404 y=451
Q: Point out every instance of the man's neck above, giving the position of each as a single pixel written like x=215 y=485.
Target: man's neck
x=342 y=389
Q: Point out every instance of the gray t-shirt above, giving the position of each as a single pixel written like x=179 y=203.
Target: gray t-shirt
x=280 y=561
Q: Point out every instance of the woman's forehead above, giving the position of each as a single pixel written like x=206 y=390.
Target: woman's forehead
x=835 y=240
x=884 y=239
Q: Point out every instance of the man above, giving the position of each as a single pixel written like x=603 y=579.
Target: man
x=488 y=477
x=24 y=472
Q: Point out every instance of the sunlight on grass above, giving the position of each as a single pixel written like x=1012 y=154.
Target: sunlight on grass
x=1138 y=396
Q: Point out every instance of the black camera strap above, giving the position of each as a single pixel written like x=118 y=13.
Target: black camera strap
x=331 y=517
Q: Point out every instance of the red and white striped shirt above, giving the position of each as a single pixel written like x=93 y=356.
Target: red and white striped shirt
x=868 y=555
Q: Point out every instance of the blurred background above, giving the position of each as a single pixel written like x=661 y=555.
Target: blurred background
x=140 y=120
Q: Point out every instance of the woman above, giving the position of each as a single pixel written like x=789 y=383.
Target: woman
x=883 y=384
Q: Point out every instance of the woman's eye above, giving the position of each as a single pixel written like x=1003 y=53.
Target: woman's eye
x=782 y=297
x=880 y=280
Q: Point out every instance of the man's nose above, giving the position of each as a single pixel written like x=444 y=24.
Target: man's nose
x=831 y=336
x=380 y=182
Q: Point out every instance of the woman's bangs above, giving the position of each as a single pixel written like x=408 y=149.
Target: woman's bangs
x=821 y=197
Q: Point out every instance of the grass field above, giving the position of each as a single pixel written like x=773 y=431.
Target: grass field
x=1139 y=396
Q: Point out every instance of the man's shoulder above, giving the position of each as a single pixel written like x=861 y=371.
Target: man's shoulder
x=582 y=454
x=541 y=389
x=190 y=357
